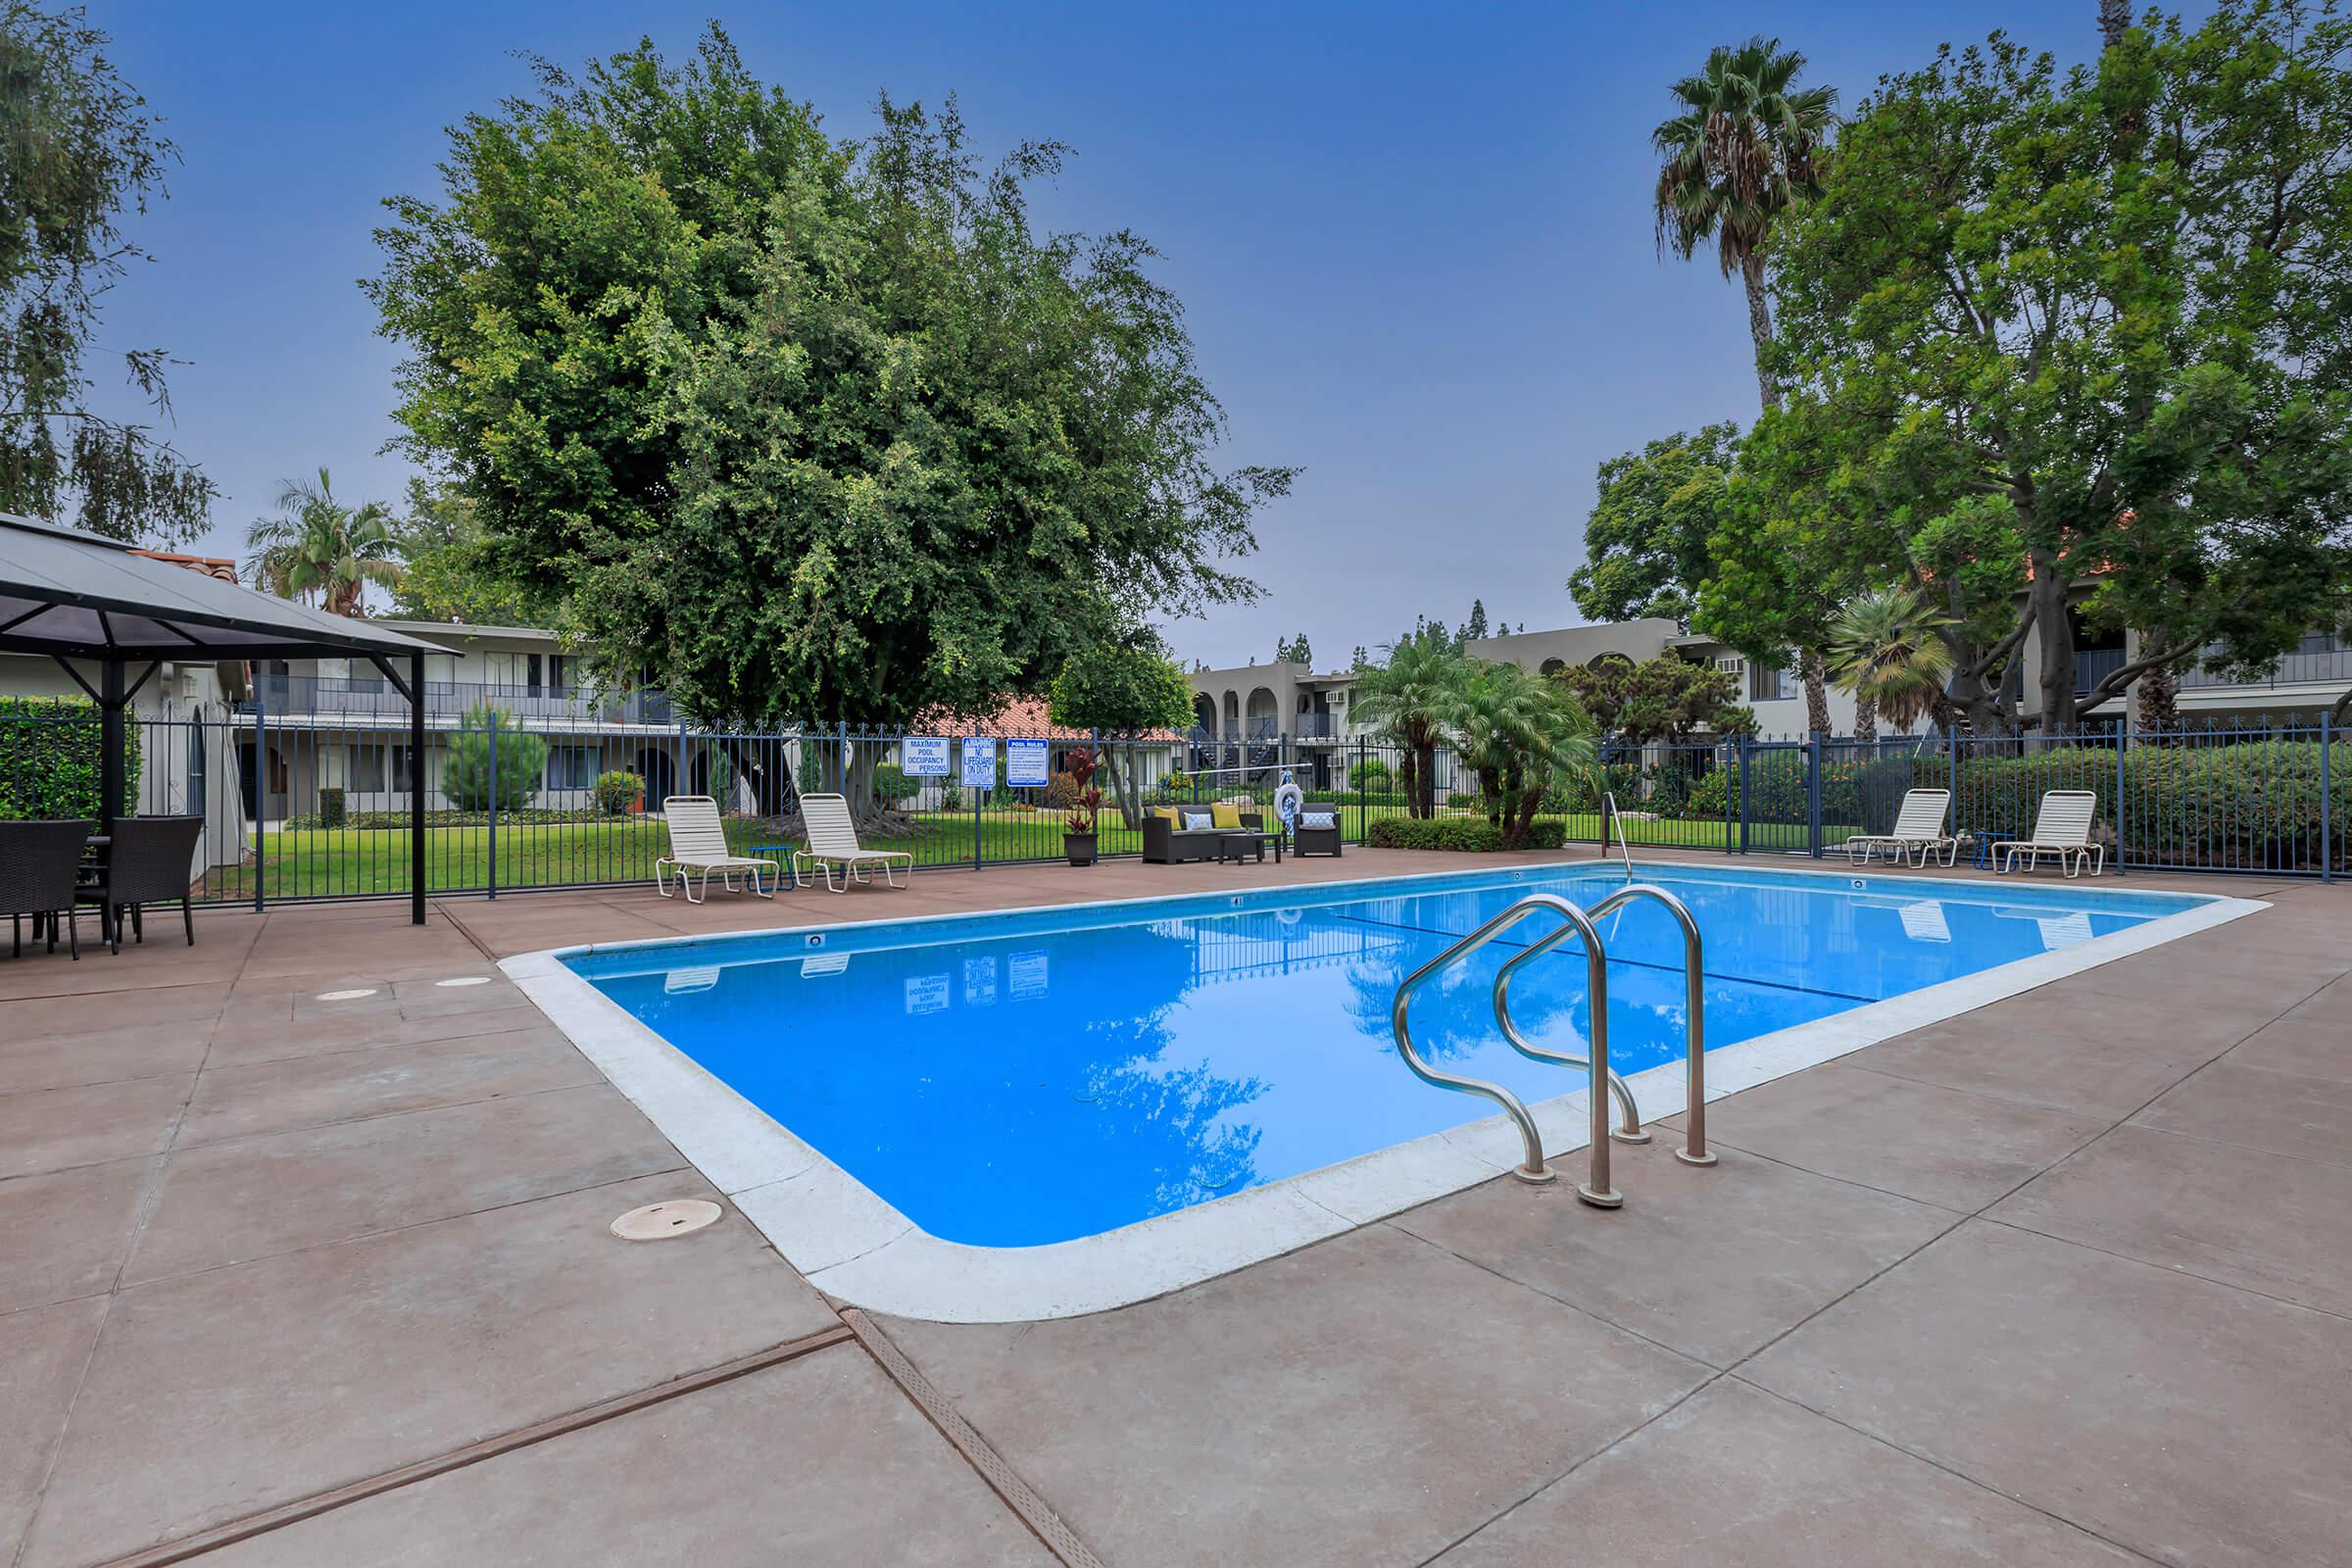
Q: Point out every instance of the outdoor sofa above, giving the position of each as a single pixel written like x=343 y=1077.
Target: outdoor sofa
x=1177 y=833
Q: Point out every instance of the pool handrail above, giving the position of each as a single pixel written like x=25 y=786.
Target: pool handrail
x=1595 y=1188
x=1611 y=817
x=1695 y=1151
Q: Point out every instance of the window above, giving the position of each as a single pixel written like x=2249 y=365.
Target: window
x=558 y=673
x=1732 y=666
x=1766 y=684
x=572 y=767
x=365 y=773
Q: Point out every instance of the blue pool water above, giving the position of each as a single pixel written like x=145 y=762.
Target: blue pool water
x=1007 y=1080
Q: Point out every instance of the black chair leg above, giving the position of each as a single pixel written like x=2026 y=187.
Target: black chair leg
x=188 y=917
x=16 y=924
x=72 y=934
x=138 y=923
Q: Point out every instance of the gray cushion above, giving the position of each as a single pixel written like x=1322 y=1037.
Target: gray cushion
x=1197 y=821
x=1318 y=819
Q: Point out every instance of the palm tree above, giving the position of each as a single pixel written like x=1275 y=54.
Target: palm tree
x=319 y=549
x=1414 y=700
x=1747 y=147
x=1884 y=648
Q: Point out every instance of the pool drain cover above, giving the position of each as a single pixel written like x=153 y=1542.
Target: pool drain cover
x=679 y=1216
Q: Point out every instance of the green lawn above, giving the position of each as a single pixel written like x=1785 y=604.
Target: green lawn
x=323 y=862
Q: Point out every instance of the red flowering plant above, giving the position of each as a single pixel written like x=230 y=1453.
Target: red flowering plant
x=1081 y=765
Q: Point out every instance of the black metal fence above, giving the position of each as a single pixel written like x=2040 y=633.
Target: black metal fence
x=314 y=804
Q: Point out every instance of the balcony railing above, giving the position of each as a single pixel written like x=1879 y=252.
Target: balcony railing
x=2327 y=668
x=373 y=697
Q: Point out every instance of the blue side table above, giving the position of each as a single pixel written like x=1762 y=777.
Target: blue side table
x=783 y=854
x=1986 y=843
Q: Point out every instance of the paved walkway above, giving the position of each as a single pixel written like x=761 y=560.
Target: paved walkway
x=2067 y=1280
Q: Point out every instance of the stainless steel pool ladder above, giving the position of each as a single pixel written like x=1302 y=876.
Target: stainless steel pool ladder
x=1610 y=817
x=1596 y=1188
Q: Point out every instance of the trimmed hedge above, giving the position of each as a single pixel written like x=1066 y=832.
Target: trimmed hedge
x=1471 y=833
x=2253 y=805
x=49 y=758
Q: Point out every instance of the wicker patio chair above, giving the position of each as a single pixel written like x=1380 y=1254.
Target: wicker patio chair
x=147 y=862
x=40 y=869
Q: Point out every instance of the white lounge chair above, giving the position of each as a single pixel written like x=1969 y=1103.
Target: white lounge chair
x=1918 y=832
x=698 y=847
x=833 y=841
x=2061 y=829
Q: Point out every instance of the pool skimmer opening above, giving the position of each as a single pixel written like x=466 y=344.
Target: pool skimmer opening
x=676 y=1216
x=346 y=996
x=463 y=980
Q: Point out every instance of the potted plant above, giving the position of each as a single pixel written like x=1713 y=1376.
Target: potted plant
x=1078 y=828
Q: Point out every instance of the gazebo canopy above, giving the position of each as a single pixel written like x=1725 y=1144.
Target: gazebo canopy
x=68 y=595
x=75 y=595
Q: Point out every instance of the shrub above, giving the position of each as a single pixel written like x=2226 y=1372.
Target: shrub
x=892 y=785
x=2255 y=805
x=1371 y=773
x=617 y=790
x=331 y=805
x=1061 y=793
x=1710 y=796
x=49 y=758
x=521 y=760
x=1471 y=833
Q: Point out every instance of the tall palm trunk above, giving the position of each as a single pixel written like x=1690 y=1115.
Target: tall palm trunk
x=1866 y=718
x=1759 y=325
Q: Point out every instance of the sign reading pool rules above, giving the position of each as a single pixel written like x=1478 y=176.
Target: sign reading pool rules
x=980 y=762
x=924 y=756
x=1025 y=765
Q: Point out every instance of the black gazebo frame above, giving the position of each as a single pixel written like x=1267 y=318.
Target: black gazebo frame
x=71 y=596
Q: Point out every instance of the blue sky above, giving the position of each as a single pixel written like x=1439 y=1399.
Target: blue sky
x=1413 y=242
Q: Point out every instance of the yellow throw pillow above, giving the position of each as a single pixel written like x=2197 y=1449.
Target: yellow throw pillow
x=1174 y=814
x=1225 y=816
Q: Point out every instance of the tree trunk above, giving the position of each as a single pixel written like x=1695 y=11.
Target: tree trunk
x=2047 y=597
x=2157 y=693
x=1866 y=718
x=1428 y=761
x=1759 y=325
x=1128 y=795
x=1410 y=777
x=1817 y=692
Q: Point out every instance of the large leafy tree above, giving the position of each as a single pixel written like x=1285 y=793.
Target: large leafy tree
x=1646 y=541
x=805 y=425
x=2055 y=336
x=79 y=155
x=317 y=548
x=449 y=571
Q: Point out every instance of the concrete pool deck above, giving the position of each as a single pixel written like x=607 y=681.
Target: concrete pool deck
x=2065 y=1279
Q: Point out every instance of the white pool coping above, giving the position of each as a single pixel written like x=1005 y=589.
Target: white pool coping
x=857 y=1248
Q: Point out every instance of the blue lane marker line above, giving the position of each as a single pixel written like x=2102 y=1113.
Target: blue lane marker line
x=1577 y=943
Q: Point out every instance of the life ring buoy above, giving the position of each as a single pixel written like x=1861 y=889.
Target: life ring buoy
x=1287 y=797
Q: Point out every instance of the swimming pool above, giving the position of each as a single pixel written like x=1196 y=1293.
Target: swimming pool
x=1028 y=1079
